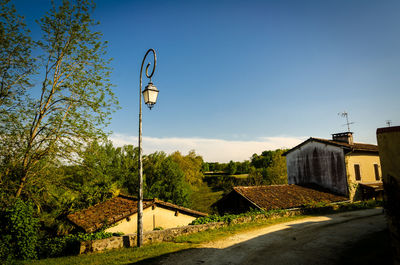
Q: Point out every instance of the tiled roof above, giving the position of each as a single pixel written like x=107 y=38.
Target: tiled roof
x=285 y=196
x=354 y=146
x=349 y=147
x=116 y=209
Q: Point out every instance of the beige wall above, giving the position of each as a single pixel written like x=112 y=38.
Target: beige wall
x=152 y=218
x=366 y=162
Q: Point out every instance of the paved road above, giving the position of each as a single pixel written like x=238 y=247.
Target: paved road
x=314 y=240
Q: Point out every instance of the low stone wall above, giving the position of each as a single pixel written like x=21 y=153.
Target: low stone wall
x=169 y=234
x=148 y=237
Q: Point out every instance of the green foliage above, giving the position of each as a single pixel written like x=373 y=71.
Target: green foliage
x=15 y=57
x=326 y=207
x=19 y=231
x=69 y=245
x=269 y=168
x=191 y=165
x=168 y=182
x=232 y=167
x=228 y=218
x=73 y=104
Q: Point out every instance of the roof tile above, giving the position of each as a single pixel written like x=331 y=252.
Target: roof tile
x=285 y=196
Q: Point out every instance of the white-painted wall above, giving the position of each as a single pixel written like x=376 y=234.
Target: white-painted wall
x=152 y=218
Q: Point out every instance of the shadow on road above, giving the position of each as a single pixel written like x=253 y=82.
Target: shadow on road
x=329 y=241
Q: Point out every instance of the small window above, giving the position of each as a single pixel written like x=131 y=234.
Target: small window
x=357 y=171
x=376 y=167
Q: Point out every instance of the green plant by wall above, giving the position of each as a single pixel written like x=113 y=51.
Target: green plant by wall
x=228 y=218
x=69 y=245
x=19 y=231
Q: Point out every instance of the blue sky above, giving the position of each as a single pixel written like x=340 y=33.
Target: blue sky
x=239 y=77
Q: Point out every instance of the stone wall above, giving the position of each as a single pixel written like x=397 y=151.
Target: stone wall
x=169 y=234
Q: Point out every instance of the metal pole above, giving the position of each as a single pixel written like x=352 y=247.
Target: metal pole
x=140 y=199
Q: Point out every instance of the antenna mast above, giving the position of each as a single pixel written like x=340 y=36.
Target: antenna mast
x=344 y=114
x=388 y=122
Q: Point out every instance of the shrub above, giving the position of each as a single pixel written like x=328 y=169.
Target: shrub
x=69 y=245
x=19 y=231
x=228 y=218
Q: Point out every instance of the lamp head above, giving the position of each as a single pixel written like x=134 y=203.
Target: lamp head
x=150 y=94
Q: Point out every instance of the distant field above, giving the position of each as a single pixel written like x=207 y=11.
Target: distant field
x=240 y=176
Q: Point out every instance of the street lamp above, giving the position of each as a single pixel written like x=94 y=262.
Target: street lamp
x=150 y=97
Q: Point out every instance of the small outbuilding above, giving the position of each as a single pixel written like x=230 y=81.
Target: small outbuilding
x=242 y=199
x=120 y=213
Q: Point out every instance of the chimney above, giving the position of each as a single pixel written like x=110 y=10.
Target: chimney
x=346 y=137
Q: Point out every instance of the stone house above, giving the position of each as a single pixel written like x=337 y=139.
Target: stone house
x=340 y=165
x=120 y=213
x=268 y=197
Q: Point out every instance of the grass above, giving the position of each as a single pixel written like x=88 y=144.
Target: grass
x=151 y=252
x=204 y=197
x=120 y=256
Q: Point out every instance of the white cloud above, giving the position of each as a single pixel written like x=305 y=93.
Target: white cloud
x=212 y=150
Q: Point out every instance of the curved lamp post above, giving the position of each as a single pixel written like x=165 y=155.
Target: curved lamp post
x=150 y=94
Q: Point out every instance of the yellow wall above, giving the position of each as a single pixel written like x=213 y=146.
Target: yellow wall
x=367 y=171
x=152 y=218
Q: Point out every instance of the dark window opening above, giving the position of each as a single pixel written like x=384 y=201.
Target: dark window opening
x=376 y=167
x=357 y=172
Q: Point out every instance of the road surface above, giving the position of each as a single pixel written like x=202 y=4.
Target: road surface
x=314 y=240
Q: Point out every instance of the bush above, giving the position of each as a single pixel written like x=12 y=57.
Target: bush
x=69 y=245
x=19 y=231
x=228 y=218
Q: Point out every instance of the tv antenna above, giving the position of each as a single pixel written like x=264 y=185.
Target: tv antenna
x=344 y=114
x=388 y=122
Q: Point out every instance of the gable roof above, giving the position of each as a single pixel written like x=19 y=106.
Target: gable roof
x=118 y=208
x=285 y=196
x=348 y=147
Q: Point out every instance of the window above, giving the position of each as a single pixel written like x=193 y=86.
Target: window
x=357 y=171
x=376 y=167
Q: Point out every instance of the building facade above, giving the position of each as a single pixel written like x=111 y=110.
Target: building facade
x=119 y=214
x=339 y=165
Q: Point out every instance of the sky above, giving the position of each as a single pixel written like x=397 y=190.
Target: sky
x=239 y=77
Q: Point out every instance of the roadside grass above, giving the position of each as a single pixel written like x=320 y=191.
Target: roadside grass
x=119 y=256
x=151 y=252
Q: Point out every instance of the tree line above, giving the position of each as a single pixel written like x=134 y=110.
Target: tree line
x=268 y=168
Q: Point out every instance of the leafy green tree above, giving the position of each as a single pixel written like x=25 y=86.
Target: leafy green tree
x=16 y=63
x=191 y=165
x=277 y=172
x=205 y=167
x=165 y=179
x=75 y=99
x=232 y=167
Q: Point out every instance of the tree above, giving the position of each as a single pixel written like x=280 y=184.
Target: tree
x=169 y=183
x=75 y=99
x=276 y=172
x=232 y=167
x=16 y=63
x=191 y=165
